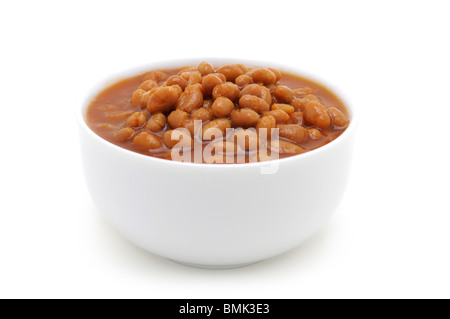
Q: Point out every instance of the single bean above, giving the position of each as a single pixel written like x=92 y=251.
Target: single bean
x=177 y=80
x=243 y=68
x=264 y=76
x=339 y=119
x=124 y=134
x=301 y=92
x=163 y=100
x=286 y=148
x=146 y=97
x=244 y=118
x=177 y=119
x=243 y=80
x=147 y=141
x=221 y=76
x=228 y=90
x=191 y=99
x=283 y=94
x=136 y=120
x=156 y=123
x=277 y=73
x=296 y=118
x=280 y=116
x=289 y=109
x=202 y=114
x=293 y=132
x=185 y=75
x=266 y=122
x=222 y=107
x=199 y=86
x=216 y=126
x=148 y=85
x=316 y=114
x=205 y=68
x=188 y=68
x=209 y=82
x=179 y=139
x=255 y=103
x=299 y=103
x=137 y=96
x=195 y=78
x=177 y=88
x=314 y=134
x=231 y=71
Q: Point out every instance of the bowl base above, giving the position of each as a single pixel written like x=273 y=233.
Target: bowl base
x=214 y=266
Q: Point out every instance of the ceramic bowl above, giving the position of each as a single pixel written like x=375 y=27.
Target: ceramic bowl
x=214 y=215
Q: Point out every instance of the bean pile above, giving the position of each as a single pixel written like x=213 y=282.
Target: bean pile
x=141 y=113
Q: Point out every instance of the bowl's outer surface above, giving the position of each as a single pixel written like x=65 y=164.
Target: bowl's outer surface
x=215 y=215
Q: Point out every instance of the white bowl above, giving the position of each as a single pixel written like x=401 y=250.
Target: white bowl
x=213 y=215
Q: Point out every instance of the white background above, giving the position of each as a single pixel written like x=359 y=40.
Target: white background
x=391 y=235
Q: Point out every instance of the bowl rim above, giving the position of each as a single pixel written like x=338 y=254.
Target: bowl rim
x=174 y=63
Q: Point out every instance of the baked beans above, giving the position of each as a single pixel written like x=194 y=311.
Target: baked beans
x=228 y=106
